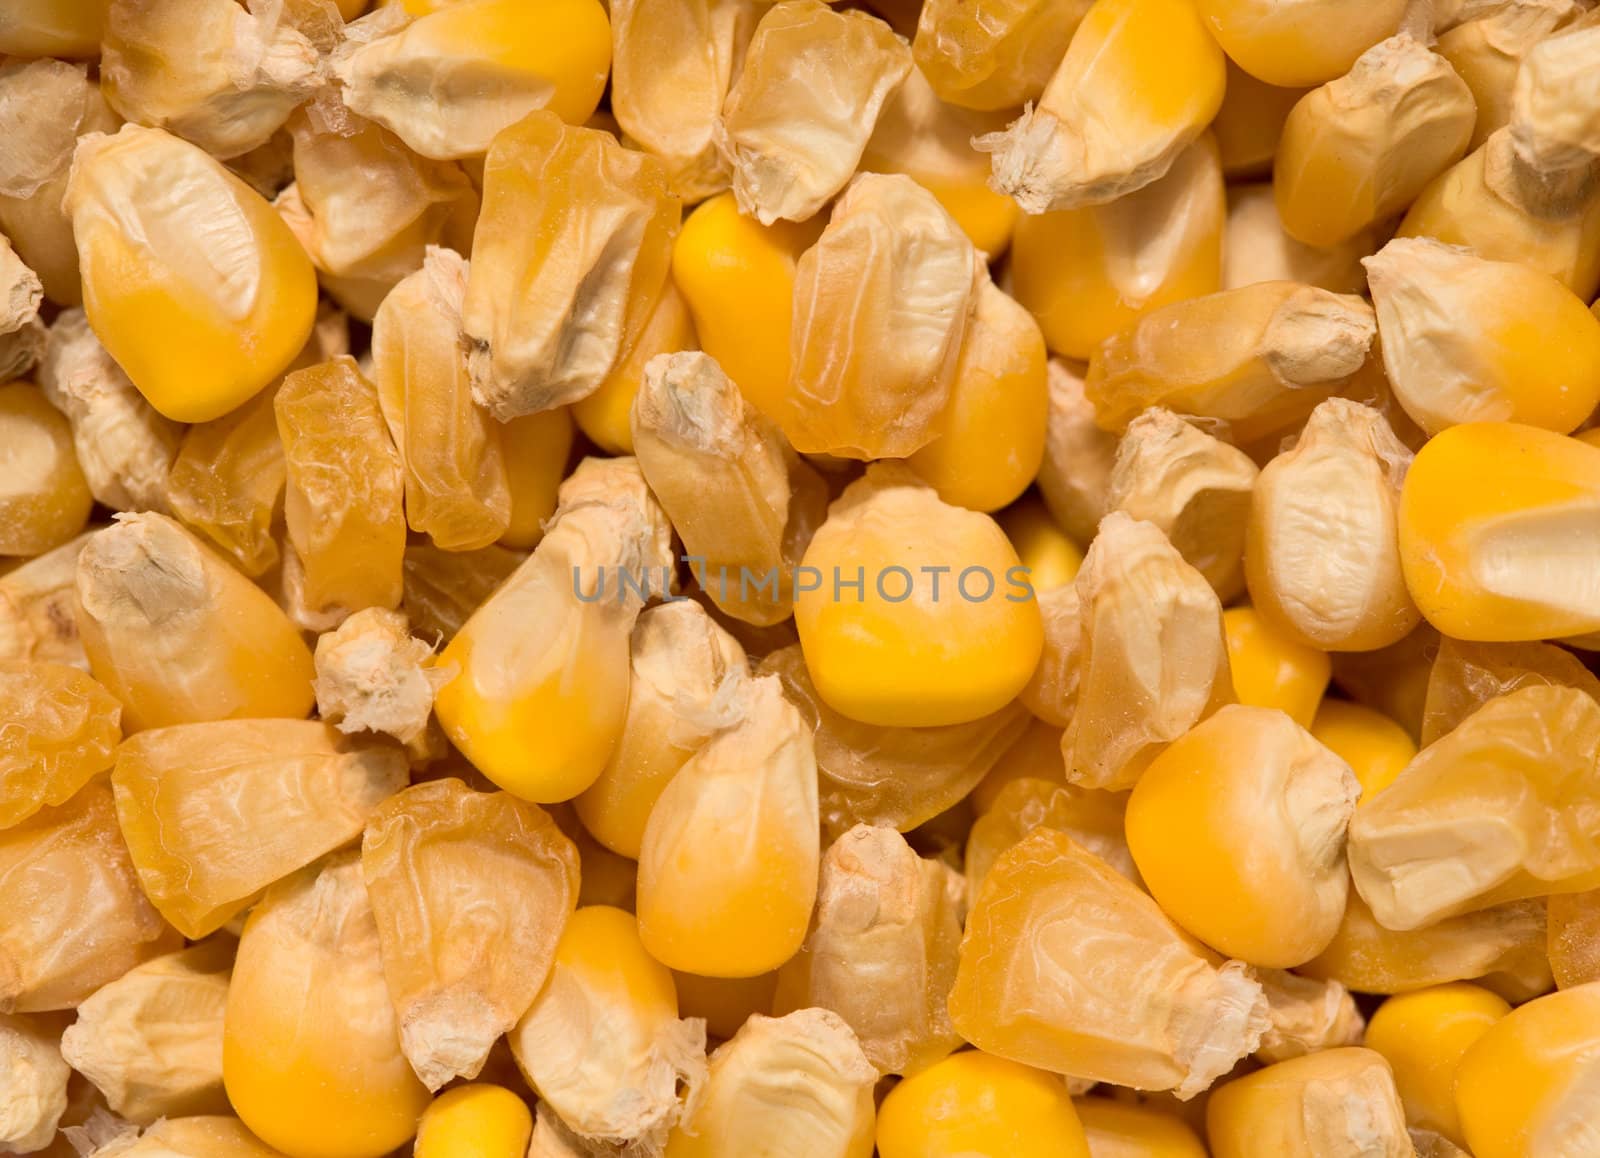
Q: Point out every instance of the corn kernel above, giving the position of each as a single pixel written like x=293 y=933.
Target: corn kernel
x=1499 y=535
x=475 y=1121
x=1305 y=1015
x=1250 y=122
x=1121 y=1130
x=1572 y=938
x=605 y=416
x=38 y=600
x=725 y=1003
x=1376 y=748
x=1298 y=42
x=1078 y=456
x=535 y=449
x=444 y=588
x=976 y=1103
x=22 y=334
x=205 y=1136
x=1044 y=548
x=1270 y=670
x=1466 y=676
x=243 y=302
x=1051 y=693
x=44 y=498
x=1256 y=248
x=1339 y=1101
x=68 y=28
x=994 y=55
x=1487 y=50
x=1392 y=680
x=1094 y=819
x=227 y=479
x=62 y=729
x=36 y=1087
x=1555 y=104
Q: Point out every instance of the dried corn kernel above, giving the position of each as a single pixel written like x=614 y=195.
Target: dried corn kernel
x=179 y=636
x=1487 y=49
x=1392 y=680
x=1078 y=456
x=36 y=1083
x=1376 y=748
x=1094 y=819
x=227 y=479
x=976 y=1103
x=1498 y=533
x=444 y=588
x=535 y=448
x=38 y=620
x=448 y=82
x=44 y=498
x=374 y=675
x=1306 y=1016
x=1339 y=1101
x=1572 y=938
x=1125 y=1130
x=470 y=891
x=311 y=1048
x=1466 y=676
x=207 y=1136
x=1250 y=122
x=214 y=813
x=244 y=301
x=1051 y=693
x=52 y=28
x=22 y=335
x=1257 y=248
x=1555 y=104
x=605 y=415
x=61 y=729
x=1296 y=42
x=628 y=1084
x=993 y=55
x=1271 y=670
x=571 y=251
x=72 y=917
x=475 y=1121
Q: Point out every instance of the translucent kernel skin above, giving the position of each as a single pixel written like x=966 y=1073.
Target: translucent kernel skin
x=1466 y=676
x=1123 y=1130
x=1572 y=938
x=975 y=1103
x=1093 y=818
x=44 y=498
x=204 y=1136
x=38 y=620
x=994 y=55
x=244 y=302
x=227 y=479
x=1332 y=1102
x=36 y=1087
x=475 y=1121
x=61 y=728
x=444 y=588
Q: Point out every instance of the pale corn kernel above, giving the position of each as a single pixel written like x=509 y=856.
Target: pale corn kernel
x=1087 y=273
x=1043 y=546
x=552 y=1139
x=1078 y=455
x=452 y=79
x=571 y=251
x=1257 y=248
x=456 y=489
x=311 y=1047
x=206 y=1136
x=1093 y=818
x=126 y=448
x=995 y=55
x=1323 y=553
x=1059 y=947
x=1518 y=346
x=38 y=600
x=1466 y=676
x=881 y=307
x=1555 y=104
x=990 y=439
x=1152 y=658
x=151 y=1041
x=1487 y=49
x=929 y=141
x=244 y=301
x=1194 y=488
x=729 y=861
x=44 y=497
x=72 y=917
x=1259 y=358
x=1527 y=1086
x=541 y=717
x=470 y=891
x=1423 y=1036
x=1051 y=693
x=52 y=28
x=1299 y=42
x=1271 y=670
x=672 y=63
x=22 y=334
x=535 y=448
x=1127 y=1130
x=1139 y=82
x=812 y=85
x=899 y=777
x=210 y=71
x=36 y=1083
x=475 y=1121
x=1306 y=1016
x=1376 y=748
x=444 y=588
x=1339 y=1101
x=226 y=481
x=925 y=657
x=684 y=687
x=214 y=813
x=179 y=636
x=1392 y=680
x=1250 y=122
x=604 y=877
x=62 y=729
x=1499 y=535
x=1492 y=812
x=882 y=948
x=1247 y=769
x=975 y=1103
x=738 y=278
x=1360 y=148
x=373 y=675
x=1572 y=938
x=605 y=416
x=602 y=1044
x=801 y=1078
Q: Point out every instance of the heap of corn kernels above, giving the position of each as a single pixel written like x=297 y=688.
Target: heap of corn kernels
x=475 y=484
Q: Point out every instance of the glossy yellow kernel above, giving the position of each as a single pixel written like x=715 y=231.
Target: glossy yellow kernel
x=1124 y=1130
x=1271 y=670
x=604 y=415
x=1299 y=42
x=1044 y=548
x=44 y=497
x=976 y=1104
x=1424 y=1035
x=1375 y=747
x=475 y=1121
x=535 y=448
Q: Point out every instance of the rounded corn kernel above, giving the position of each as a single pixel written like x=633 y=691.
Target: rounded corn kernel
x=477 y=1120
x=975 y=1103
x=1270 y=670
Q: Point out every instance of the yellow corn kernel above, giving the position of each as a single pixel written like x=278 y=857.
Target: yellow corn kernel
x=1360 y=148
x=1257 y=248
x=181 y=637
x=1306 y=1015
x=1392 y=680
x=1139 y=82
x=1260 y=358
x=1488 y=48
x=881 y=308
x=976 y=1103
x=1092 y=818
x=725 y=1003
x=38 y=608
x=801 y=1078
x=1555 y=101
x=446 y=83
x=1572 y=938
x=22 y=334
x=729 y=862
x=930 y=142
x=1059 y=948
x=1088 y=273
x=1499 y=534
x=226 y=481
x=244 y=301
x=1124 y=1130
x=1195 y=488
x=604 y=416
x=1299 y=42
x=1466 y=676
x=205 y=1136
x=1246 y=769
x=1376 y=748
x=1250 y=122
x=830 y=71
x=70 y=28
x=1051 y=693
x=475 y=1121
x=1078 y=456
x=1339 y=1101
x=1348 y=594
x=44 y=498
x=1049 y=554
x=1139 y=688
x=1423 y=1036
x=1527 y=1086
x=535 y=449
x=902 y=652
x=62 y=730
x=36 y=1090
x=995 y=55
x=570 y=254
x=1270 y=670
x=1592 y=437
x=311 y=1050
x=991 y=436
x=685 y=672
